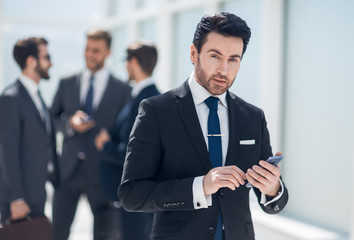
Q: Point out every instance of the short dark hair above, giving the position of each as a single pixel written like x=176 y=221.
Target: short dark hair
x=226 y=24
x=27 y=47
x=100 y=34
x=145 y=53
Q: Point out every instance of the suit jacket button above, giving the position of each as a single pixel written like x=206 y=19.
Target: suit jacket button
x=165 y=205
x=221 y=195
x=183 y=204
x=174 y=204
x=211 y=230
x=169 y=205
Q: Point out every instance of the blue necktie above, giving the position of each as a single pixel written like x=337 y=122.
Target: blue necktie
x=88 y=107
x=215 y=150
x=45 y=113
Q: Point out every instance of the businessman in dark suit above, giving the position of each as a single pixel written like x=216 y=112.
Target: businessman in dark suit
x=140 y=63
x=192 y=149
x=27 y=136
x=85 y=103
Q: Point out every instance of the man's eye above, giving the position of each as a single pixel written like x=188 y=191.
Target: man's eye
x=233 y=60
x=215 y=56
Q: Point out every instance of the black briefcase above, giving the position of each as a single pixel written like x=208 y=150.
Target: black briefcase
x=38 y=228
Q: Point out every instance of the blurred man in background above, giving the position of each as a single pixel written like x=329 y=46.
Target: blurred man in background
x=85 y=103
x=140 y=63
x=27 y=136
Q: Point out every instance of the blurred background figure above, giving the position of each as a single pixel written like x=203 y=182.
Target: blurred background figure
x=27 y=135
x=140 y=63
x=83 y=104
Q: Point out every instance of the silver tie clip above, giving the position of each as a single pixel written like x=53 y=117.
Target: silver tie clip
x=215 y=135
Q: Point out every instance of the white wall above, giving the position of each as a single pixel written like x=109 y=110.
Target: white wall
x=319 y=111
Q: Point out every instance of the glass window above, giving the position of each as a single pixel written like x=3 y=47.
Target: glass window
x=184 y=25
x=319 y=112
x=58 y=10
x=147 y=3
x=119 y=44
x=112 y=7
x=120 y=8
x=147 y=30
x=246 y=84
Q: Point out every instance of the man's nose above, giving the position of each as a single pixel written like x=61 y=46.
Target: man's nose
x=223 y=68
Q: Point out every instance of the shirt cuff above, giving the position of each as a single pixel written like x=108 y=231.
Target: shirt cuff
x=280 y=193
x=199 y=199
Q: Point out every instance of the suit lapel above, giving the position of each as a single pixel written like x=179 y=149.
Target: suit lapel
x=76 y=97
x=186 y=108
x=234 y=113
x=28 y=99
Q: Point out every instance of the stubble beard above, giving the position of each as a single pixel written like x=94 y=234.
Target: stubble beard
x=206 y=81
x=43 y=74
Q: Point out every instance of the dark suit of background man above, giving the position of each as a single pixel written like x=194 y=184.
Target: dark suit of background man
x=27 y=136
x=176 y=141
x=141 y=60
x=83 y=104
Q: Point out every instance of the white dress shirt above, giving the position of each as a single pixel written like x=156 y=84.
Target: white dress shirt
x=99 y=85
x=32 y=88
x=200 y=94
x=139 y=86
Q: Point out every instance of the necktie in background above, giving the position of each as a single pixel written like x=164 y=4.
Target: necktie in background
x=44 y=114
x=215 y=150
x=88 y=107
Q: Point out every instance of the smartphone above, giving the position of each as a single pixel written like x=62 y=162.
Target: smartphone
x=86 y=119
x=274 y=160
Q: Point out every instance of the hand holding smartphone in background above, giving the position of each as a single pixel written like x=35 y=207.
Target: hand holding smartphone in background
x=86 y=118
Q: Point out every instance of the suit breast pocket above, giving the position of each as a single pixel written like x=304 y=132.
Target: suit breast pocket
x=249 y=154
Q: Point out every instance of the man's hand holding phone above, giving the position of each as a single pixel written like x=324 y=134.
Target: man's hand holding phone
x=81 y=122
x=266 y=176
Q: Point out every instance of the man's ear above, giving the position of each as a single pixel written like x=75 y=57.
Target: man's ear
x=135 y=63
x=31 y=62
x=194 y=54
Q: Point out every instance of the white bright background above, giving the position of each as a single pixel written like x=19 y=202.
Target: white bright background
x=298 y=68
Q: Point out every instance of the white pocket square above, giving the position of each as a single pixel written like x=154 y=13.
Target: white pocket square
x=248 y=142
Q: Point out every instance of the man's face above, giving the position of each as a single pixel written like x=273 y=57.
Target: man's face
x=218 y=62
x=129 y=67
x=95 y=54
x=44 y=62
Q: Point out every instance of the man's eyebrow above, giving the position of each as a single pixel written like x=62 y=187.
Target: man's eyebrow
x=218 y=52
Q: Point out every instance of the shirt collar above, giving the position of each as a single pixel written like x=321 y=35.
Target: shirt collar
x=199 y=93
x=29 y=84
x=100 y=74
x=139 y=86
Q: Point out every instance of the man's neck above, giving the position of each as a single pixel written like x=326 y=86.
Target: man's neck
x=141 y=77
x=31 y=75
x=94 y=71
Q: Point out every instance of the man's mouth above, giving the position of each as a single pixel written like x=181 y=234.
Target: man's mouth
x=219 y=81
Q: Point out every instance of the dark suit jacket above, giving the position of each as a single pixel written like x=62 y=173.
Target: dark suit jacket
x=66 y=102
x=167 y=151
x=27 y=149
x=113 y=155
